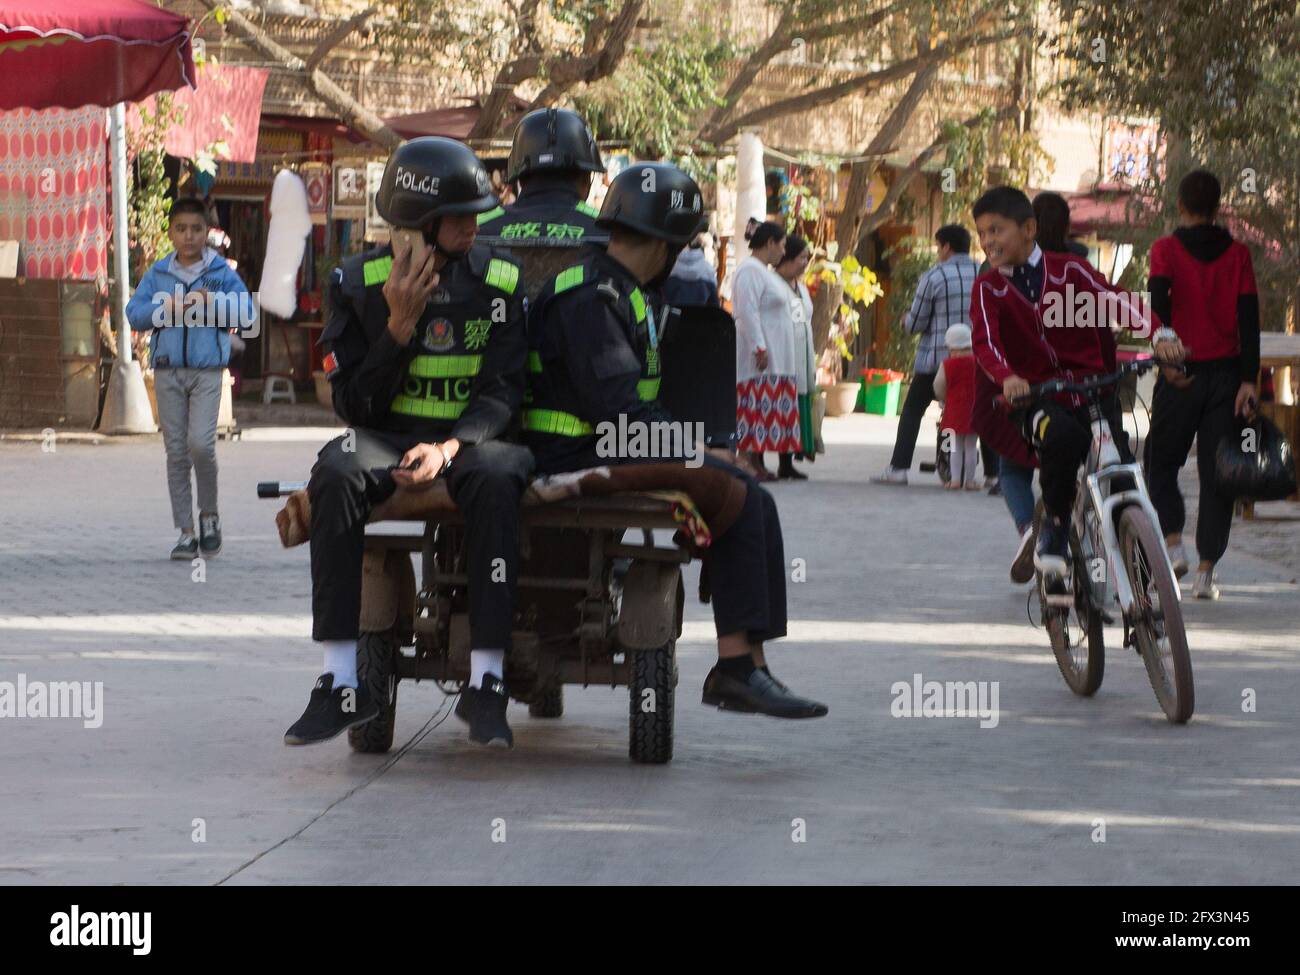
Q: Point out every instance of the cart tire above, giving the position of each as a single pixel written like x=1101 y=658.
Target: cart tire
x=549 y=705
x=377 y=670
x=650 y=696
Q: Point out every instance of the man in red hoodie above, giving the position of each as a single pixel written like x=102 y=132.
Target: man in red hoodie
x=1036 y=316
x=1203 y=285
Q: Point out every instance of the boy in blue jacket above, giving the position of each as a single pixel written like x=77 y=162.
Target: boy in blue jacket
x=190 y=301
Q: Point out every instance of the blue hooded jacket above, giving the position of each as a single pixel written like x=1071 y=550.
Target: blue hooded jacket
x=179 y=345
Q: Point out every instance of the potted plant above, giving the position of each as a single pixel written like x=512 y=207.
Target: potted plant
x=857 y=286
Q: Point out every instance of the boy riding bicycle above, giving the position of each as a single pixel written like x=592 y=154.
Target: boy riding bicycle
x=1037 y=316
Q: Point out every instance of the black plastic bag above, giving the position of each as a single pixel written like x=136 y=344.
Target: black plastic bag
x=1257 y=464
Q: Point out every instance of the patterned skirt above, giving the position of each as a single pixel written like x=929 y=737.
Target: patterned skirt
x=767 y=415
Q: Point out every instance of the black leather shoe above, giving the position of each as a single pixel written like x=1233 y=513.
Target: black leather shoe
x=484 y=710
x=330 y=712
x=758 y=694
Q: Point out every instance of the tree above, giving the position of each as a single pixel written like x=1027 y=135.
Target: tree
x=554 y=44
x=1220 y=78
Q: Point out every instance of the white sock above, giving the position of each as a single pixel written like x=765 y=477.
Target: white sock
x=483 y=662
x=341 y=661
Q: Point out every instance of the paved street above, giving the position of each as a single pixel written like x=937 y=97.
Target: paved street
x=201 y=679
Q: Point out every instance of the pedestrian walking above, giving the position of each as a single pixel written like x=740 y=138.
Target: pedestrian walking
x=942 y=300
x=955 y=386
x=188 y=302
x=1203 y=285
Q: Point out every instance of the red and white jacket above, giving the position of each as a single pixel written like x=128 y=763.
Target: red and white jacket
x=1043 y=340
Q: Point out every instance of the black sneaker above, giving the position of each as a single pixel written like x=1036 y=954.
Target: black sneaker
x=209 y=535
x=1051 y=558
x=186 y=548
x=330 y=712
x=484 y=710
x=757 y=694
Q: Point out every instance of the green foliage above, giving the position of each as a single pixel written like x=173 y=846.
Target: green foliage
x=1219 y=76
x=857 y=287
x=651 y=100
x=151 y=195
x=908 y=259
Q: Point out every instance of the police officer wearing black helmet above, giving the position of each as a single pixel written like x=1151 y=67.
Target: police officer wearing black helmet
x=593 y=357
x=424 y=348
x=553 y=157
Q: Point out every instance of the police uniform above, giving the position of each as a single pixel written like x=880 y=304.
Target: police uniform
x=548 y=213
x=461 y=377
x=593 y=356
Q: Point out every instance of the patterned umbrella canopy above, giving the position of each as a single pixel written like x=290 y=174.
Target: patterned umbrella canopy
x=69 y=53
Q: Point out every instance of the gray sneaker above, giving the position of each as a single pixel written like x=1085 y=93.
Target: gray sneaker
x=1177 y=558
x=187 y=547
x=892 y=475
x=1204 y=587
x=209 y=535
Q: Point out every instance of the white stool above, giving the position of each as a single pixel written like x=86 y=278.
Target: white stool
x=278 y=388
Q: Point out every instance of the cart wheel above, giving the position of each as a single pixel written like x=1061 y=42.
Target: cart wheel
x=377 y=668
x=650 y=696
x=549 y=705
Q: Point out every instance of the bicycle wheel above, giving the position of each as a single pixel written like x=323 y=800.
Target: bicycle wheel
x=1082 y=662
x=1157 y=617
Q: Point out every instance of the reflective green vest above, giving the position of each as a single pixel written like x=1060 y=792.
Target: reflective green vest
x=543 y=412
x=439 y=379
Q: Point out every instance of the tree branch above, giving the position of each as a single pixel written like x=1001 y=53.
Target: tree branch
x=858 y=84
x=349 y=110
x=336 y=37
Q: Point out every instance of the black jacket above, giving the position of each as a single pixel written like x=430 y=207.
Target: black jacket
x=476 y=311
x=592 y=352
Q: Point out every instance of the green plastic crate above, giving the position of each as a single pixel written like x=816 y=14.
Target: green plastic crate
x=877 y=396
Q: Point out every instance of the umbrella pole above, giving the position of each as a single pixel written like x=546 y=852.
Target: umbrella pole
x=126 y=409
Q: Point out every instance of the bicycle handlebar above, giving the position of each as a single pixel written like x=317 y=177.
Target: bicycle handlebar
x=1053 y=386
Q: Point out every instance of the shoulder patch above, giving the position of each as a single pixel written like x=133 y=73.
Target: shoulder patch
x=569 y=278
x=587 y=209
x=502 y=274
x=377 y=271
x=490 y=215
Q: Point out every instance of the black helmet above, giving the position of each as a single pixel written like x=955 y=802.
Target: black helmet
x=552 y=140
x=432 y=177
x=655 y=199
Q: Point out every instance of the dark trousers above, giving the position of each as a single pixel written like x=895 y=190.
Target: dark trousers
x=919 y=397
x=486 y=481
x=1062 y=435
x=1203 y=410
x=747 y=566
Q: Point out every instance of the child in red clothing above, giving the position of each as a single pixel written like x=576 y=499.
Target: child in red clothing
x=955 y=385
x=1203 y=285
x=1020 y=337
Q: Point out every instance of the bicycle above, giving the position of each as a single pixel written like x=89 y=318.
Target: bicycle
x=1114 y=524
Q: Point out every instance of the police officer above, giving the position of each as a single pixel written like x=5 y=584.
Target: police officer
x=553 y=157
x=425 y=348
x=593 y=356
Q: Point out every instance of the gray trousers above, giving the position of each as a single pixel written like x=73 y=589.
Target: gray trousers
x=188 y=403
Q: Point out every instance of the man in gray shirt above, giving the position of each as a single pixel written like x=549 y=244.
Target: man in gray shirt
x=942 y=299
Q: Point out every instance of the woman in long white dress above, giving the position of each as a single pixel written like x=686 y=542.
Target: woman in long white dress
x=767 y=398
x=791 y=268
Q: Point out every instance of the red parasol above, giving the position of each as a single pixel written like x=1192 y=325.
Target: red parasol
x=69 y=53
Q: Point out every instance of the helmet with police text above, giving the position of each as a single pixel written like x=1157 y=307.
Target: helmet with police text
x=655 y=199
x=552 y=140
x=432 y=177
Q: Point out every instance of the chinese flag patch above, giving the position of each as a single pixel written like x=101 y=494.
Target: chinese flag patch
x=331 y=364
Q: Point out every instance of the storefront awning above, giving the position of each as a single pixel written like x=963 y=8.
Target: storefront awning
x=224 y=107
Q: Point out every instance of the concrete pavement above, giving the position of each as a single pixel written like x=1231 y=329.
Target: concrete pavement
x=186 y=781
